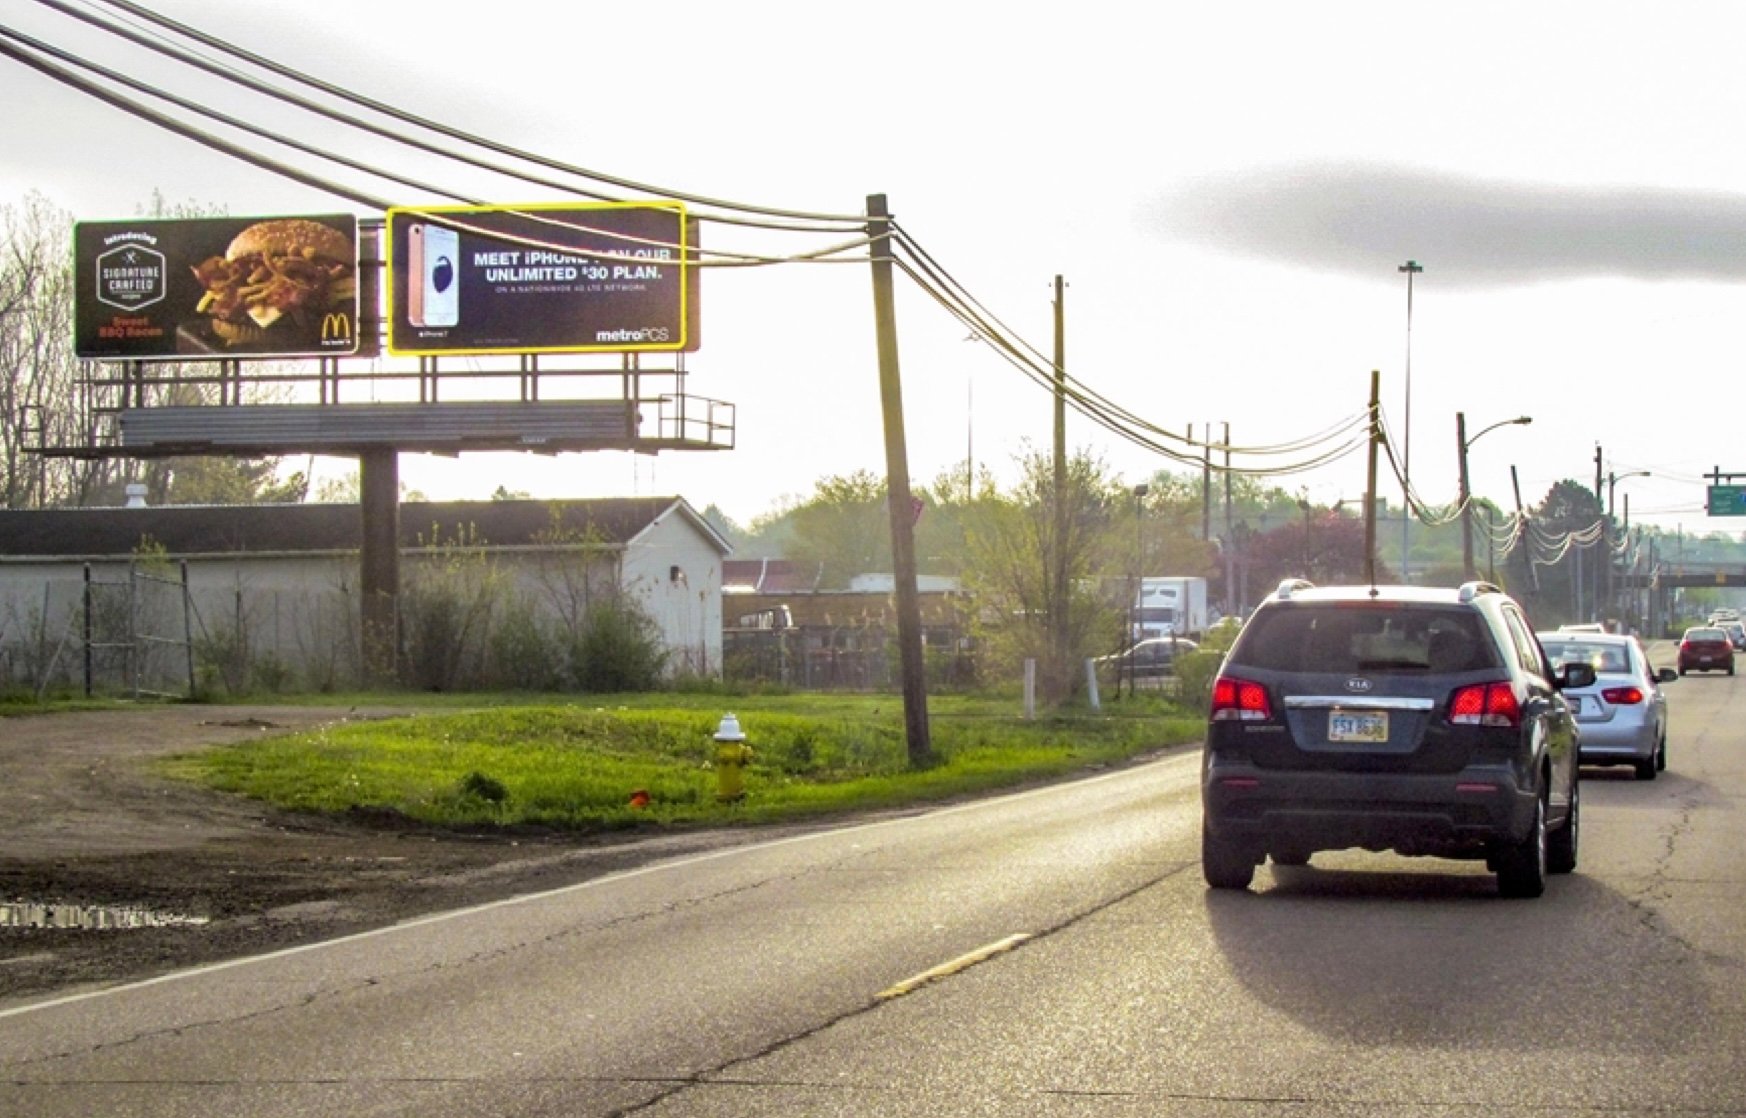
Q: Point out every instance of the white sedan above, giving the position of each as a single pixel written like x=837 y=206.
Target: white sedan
x=1623 y=717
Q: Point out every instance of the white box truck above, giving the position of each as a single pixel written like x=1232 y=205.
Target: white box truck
x=1170 y=607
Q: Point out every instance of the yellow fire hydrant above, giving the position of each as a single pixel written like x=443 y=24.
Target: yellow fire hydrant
x=732 y=755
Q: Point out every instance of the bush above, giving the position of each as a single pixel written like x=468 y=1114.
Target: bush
x=1195 y=673
x=221 y=657
x=445 y=608
x=618 y=648
x=526 y=654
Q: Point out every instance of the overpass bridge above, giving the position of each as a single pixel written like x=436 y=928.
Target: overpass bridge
x=1676 y=575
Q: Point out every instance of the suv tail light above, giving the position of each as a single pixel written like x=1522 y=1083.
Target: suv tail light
x=1622 y=696
x=1485 y=704
x=1239 y=700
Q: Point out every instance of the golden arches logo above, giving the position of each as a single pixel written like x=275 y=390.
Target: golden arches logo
x=336 y=325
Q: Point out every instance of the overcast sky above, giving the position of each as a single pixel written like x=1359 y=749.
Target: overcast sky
x=1229 y=191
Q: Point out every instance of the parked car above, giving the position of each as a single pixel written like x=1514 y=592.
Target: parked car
x=1149 y=659
x=1622 y=716
x=1411 y=719
x=1705 y=648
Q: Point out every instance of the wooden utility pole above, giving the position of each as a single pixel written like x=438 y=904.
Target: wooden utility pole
x=1522 y=527
x=1058 y=617
x=1232 y=605
x=899 y=498
x=1370 y=483
x=1466 y=491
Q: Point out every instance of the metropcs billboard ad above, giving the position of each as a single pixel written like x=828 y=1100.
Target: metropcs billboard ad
x=215 y=288
x=613 y=277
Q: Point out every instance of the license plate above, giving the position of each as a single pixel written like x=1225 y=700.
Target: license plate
x=1346 y=725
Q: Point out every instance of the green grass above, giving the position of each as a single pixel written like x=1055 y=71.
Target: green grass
x=529 y=764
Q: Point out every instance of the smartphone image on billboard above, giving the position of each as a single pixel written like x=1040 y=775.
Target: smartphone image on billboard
x=415 y=274
x=436 y=277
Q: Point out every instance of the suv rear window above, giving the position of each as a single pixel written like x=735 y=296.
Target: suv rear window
x=1360 y=637
x=1603 y=657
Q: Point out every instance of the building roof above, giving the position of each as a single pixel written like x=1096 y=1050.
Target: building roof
x=222 y=529
x=770 y=576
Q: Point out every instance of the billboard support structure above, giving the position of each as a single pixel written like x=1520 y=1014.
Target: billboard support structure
x=379 y=562
x=146 y=320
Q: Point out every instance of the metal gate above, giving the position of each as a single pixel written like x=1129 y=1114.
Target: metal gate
x=139 y=634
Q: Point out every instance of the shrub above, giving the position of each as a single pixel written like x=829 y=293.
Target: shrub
x=526 y=653
x=618 y=647
x=1194 y=679
x=445 y=607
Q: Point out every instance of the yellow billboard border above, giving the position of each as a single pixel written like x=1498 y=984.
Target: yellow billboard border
x=685 y=262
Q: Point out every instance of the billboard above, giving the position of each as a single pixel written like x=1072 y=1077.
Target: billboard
x=585 y=278
x=212 y=288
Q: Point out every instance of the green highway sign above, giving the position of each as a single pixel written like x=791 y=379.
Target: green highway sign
x=1727 y=500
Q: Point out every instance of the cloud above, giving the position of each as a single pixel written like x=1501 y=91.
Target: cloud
x=1366 y=219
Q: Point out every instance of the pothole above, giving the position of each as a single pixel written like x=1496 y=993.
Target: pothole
x=35 y=914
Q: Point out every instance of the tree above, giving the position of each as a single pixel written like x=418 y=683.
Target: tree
x=1321 y=545
x=843 y=529
x=39 y=400
x=1012 y=545
x=44 y=402
x=1563 y=541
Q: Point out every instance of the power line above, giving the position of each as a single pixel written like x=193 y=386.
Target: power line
x=1323 y=448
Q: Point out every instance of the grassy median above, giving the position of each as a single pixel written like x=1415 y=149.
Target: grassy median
x=647 y=760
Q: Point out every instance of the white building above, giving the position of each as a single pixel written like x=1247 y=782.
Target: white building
x=279 y=582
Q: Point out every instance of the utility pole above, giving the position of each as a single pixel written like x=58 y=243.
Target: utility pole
x=1058 y=613
x=903 y=512
x=1370 y=483
x=1524 y=532
x=1466 y=497
x=1411 y=268
x=1206 y=487
x=1232 y=605
x=1603 y=568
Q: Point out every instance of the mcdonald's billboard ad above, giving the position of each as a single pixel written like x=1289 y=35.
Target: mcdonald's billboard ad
x=212 y=288
x=609 y=277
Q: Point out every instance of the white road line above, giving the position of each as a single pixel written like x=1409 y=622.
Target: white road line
x=1178 y=759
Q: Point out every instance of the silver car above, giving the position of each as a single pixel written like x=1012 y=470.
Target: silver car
x=1622 y=717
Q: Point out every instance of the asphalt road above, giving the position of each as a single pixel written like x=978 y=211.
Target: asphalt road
x=1051 y=953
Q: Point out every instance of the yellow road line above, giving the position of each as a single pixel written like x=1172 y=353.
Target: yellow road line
x=945 y=970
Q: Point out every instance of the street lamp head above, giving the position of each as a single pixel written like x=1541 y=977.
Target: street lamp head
x=1518 y=421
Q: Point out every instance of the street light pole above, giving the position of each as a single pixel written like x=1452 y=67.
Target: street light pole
x=1411 y=268
x=1462 y=442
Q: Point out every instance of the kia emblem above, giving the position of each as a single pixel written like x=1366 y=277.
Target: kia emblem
x=1357 y=684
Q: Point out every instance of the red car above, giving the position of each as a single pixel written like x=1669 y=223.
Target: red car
x=1705 y=649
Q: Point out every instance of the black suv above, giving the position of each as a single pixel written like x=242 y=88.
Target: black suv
x=1423 y=721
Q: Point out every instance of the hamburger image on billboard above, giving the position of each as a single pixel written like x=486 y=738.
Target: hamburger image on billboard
x=187 y=289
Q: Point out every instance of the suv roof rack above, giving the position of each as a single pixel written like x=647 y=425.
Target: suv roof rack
x=1472 y=590
x=1290 y=586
